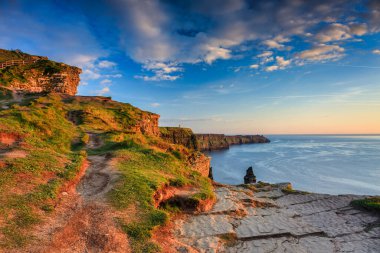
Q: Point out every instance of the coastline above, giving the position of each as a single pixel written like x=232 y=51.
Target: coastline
x=274 y=218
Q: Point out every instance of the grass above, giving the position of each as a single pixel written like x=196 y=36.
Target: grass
x=5 y=94
x=28 y=186
x=144 y=170
x=22 y=73
x=54 y=146
x=289 y=190
x=6 y=55
x=371 y=203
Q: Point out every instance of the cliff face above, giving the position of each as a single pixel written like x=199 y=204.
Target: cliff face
x=34 y=74
x=66 y=81
x=176 y=135
x=221 y=141
x=200 y=162
x=203 y=142
x=212 y=141
x=149 y=124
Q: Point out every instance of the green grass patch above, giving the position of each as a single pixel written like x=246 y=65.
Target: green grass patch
x=289 y=190
x=371 y=203
x=144 y=171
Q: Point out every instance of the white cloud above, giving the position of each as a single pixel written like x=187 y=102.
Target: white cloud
x=276 y=42
x=158 y=77
x=322 y=52
x=334 y=32
x=163 y=67
x=376 y=51
x=215 y=53
x=254 y=66
x=265 y=54
x=113 y=76
x=273 y=44
x=89 y=74
x=282 y=62
x=103 y=91
x=271 y=68
x=106 y=81
x=106 y=64
x=155 y=104
x=83 y=60
x=358 y=29
x=161 y=71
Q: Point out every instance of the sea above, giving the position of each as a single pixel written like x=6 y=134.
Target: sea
x=332 y=164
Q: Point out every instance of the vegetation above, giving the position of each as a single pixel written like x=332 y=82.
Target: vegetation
x=6 y=55
x=22 y=72
x=52 y=131
x=5 y=94
x=289 y=190
x=145 y=168
x=29 y=185
x=371 y=203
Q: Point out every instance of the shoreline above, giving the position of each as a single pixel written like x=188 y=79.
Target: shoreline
x=267 y=217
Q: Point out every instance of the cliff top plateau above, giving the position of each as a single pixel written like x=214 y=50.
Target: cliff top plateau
x=26 y=73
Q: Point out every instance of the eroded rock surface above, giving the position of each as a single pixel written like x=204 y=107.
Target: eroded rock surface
x=270 y=220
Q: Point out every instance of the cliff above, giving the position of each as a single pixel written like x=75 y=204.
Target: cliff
x=206 y=142
x=75 y=165
x=221 y=141
x=178 y=135
x=35 y=74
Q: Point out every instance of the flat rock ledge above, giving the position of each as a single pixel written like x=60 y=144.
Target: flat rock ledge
x=270 y=220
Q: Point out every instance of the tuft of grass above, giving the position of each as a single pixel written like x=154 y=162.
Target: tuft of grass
x=179 y=181
x=289 y=190
x=371 y=203
x=229 y=239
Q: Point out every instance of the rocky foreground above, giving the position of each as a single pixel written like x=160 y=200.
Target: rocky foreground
x=272 y=218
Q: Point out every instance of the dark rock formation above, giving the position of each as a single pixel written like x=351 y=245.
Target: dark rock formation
x=210 y=175
x=220 y=141
x=250 y=177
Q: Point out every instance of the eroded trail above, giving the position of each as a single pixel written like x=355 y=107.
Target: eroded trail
x=84 y=221
x=97 y=180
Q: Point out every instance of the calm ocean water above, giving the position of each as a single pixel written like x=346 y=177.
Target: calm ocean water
x=338 y=164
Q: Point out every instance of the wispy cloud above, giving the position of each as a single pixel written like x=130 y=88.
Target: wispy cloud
x=106 y=64
x=158 y=32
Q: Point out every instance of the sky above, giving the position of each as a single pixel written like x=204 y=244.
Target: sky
x=217 y=66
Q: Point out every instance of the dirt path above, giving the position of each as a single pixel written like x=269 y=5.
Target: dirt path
x=84 y=222
x=97 y=180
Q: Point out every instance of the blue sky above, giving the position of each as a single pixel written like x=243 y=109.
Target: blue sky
x=231 y=66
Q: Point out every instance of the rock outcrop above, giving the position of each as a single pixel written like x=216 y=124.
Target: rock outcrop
x=35 y=74
x=250 y=177
x=269 y=220
x=208 y=142
x=179 y=135
x=200 y=162
x=148 y=124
